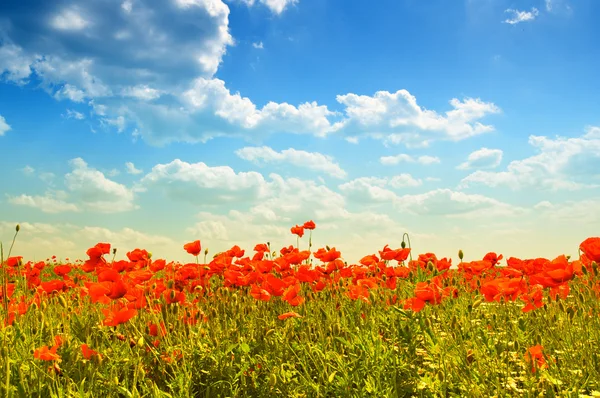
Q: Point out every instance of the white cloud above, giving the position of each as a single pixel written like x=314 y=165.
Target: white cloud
x=141 y=92
x=562 y=164
x=127 y=6
x=46 y=203
x=28 y=170
x=125 y=48
x=15 y=63
x=119 y=122
x=577 y=212
x=47 y=177
x=558 y=6
x=310 y=160
x=69 y=19
x=72 y=114
x=393 y=160
x=212 y=96
x=276 y=6
x=481 y=159
x=397 y=115
x=202 y=184
x=521 y=16
x=455 y=204
x=96 y=192
x=428 y=159
x=404 y=180
x=4 y=127
x=258 y=45
x=368 y=190
x=131 y=168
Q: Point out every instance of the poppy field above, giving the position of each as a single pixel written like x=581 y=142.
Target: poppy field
x=300 y=322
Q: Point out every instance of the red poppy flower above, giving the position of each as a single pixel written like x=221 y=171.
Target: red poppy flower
x=398 y=254
x=194 y=248
x=262 y=247
x=297 y=230
x=327 y=255
x=88 y=353
x=46 y=354
x=591 y=248
x=259 y=293
x=289 y=315
x=117 y=317
x=62 y=270
x=309 y=225
x=535 y=356
x=14 y=261
x=99 y=250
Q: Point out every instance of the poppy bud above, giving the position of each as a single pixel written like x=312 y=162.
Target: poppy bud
x=403 y=245
x=206 y=251
x=18 y=228
x=114 y=251
x=460 y=254
x=429 y=266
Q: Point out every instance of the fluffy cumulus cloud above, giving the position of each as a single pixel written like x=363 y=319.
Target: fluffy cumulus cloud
x=310 y=160
x=95 y=191
x=276 y=6
x=396 y=159
x=203 y=184
x=131 y=169
x=481 y=159
x=438 y=202
x=396 y=117
x=86 y=189
x=561 y=164
x=48 y=203
x=517 y=16
x=4 y=127
x=149 y=68
x=100 y=48
x=445 y=202
x=373 y=190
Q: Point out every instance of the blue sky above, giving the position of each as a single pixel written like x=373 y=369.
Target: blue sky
x=471 y=125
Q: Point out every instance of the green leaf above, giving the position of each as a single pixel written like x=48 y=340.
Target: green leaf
x=332 y=376
x=245 y=348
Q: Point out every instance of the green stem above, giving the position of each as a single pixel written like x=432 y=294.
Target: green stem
x=408 y=239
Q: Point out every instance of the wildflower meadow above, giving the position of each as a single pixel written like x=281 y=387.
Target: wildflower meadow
x=299 y=322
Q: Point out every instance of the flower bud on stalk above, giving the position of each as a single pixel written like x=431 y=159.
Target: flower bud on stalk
x=460 y=254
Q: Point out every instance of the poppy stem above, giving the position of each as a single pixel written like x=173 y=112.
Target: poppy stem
x=408 y=239
x=13 y=241
x=4 y=281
